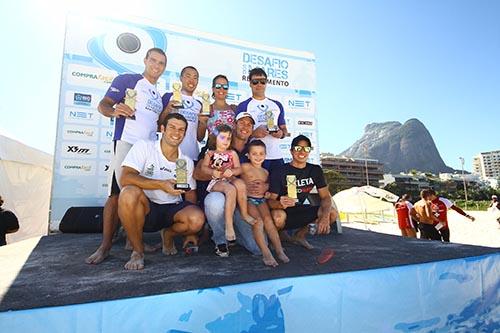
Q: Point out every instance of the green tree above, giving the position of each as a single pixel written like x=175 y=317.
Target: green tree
x=336 y=181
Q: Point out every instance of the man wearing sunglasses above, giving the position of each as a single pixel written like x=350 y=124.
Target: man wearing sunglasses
x=261 y=108
x=289 y=213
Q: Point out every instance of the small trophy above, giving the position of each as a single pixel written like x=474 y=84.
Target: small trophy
x=271 y=126
x=131 y=99
x=205 y=109
x=177 y=96
x=291 y=186
x=181 y=175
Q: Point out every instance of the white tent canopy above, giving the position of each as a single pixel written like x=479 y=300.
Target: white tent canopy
x=25 y=182
x=364 y=199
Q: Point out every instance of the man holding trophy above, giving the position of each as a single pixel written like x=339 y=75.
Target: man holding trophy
x=181 y=100
x=154 y=177
x=269 y=118
x=291 y=202
x=133 y=100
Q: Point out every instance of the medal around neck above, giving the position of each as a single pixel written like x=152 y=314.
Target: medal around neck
x=181 y=175
x=131 y=99
x=205 y=103
x=176 y=95
x=291 y=186
x=271 y=126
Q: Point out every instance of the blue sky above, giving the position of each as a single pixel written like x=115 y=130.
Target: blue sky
x=387 y=60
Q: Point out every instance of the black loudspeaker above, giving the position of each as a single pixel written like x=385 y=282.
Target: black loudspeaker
x=82 y=220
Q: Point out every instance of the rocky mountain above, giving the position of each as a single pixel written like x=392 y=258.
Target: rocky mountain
x=401 y=147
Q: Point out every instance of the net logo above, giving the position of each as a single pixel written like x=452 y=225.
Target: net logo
x=299 y=104
x=82 y=116
x=82 y=99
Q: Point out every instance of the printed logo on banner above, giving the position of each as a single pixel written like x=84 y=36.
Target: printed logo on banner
x=82 y=116
x=104 y=168
x=77 y=168
x=108 y=122
x=105 y=151
x=83 y=133
x=277 y=68
x=236 y=96
x=305 y=122
x=97 y=78
x=298 y=104
x=81 y=99
x=106 y=135
x=102 y=186
x=79 y=150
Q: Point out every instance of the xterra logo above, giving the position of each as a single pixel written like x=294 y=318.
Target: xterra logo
x=78 y=150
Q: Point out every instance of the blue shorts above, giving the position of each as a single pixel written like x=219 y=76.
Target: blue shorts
x=256 y=201
x=161 y=216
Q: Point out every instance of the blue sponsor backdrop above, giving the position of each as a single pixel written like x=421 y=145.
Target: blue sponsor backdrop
x=98 y=49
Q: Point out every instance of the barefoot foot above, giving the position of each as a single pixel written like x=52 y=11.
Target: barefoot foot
x=98 y=256
x=136 y=261
x=282 y=256
x=269 y=260
x=168 y=244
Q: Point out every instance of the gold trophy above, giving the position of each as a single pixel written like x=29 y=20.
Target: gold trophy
x=181 y=175
x=176 y=95
x=205 y=102
x=131 y=99
x=291 y=186
x=271 y=126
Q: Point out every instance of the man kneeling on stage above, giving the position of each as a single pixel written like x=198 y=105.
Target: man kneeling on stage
x=149 y=200
x=302 y=209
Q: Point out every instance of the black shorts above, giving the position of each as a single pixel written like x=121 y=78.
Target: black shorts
x=162 y=216
x=299 y=216
x=427 y=231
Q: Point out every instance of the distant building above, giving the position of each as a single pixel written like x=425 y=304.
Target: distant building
x=487 y=164
x=354 y=169
x=407 y=183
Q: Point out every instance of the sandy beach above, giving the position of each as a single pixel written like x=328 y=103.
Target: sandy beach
x=484 y=231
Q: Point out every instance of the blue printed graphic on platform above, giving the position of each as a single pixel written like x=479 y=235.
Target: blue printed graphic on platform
x=185 y=316
x=95 y=46
x=266 y=313
x=417 y=326
x=217 y=289
x=461 y=278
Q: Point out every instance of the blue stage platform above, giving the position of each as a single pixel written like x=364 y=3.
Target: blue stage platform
x=447 y=295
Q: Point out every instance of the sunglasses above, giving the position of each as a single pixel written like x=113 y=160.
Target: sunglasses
x=300 y=148
x=223 y=86
x=256 y=82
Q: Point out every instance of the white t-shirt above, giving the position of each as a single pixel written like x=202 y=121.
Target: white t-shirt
x=148 y=107
x=191 y=109
x=147 y=158
x=446 y=202
x=258 y=109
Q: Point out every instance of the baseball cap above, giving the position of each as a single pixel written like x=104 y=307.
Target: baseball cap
x=243 y=115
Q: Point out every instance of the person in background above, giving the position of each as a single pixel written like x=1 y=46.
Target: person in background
x=8 y=223
x=405 y=210
x=439 y=213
